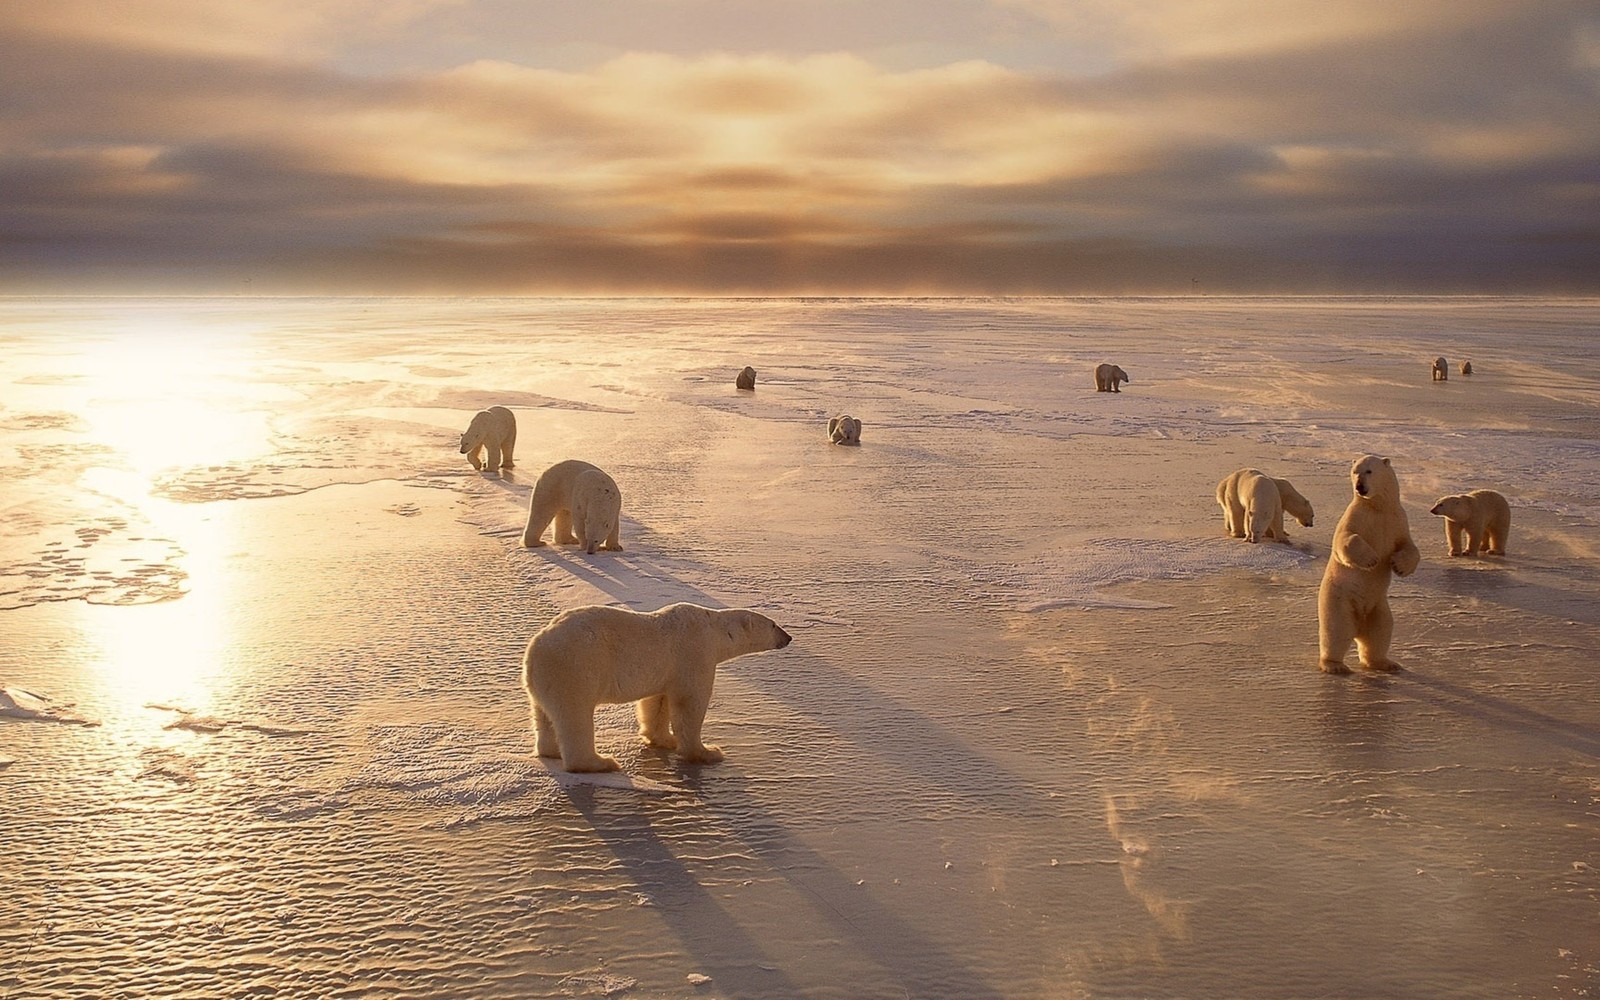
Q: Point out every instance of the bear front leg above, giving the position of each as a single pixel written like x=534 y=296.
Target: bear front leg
x=614 y=542
x=1354 y=551
x=574 y=727
x=538 y=520
x=506 y=449
x=564 y=535
x=492 y=463
x=1452 y=535
x=688 y=715
x=654 y=723
x=1373 y=641
x=545 y=743
x=1476 y=542
x=1406 y=558
x=472 y=456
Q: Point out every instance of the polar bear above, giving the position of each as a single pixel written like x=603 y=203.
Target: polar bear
x=844 y=429
x=1466 y=368
x=578 y=497
x=1108 y=377
x=1253 y=505
x=494 y=431
x=1372 y=540
x=746 y=379
x=1485 y=517
x=665 y=660
x=1441 y=370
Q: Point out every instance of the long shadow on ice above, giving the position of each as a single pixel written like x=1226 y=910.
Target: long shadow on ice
x=739 y=964
x=1574 y=736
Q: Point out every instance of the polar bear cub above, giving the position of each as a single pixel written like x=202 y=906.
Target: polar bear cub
x=1483 y=515
x=493 y=431
x=1253 y=505
x=844 y=429
x=1107 y=378
x=1372 y=541
x=579 y=498
x=664 y=660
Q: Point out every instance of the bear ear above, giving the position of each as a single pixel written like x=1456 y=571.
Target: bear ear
x=1386 y=461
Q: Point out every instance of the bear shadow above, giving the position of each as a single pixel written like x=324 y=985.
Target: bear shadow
x=875 y=724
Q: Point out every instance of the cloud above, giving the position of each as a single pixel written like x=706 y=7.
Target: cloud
x=1366 y=147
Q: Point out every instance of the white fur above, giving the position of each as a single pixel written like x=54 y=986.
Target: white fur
x=1372 y=541
x=665 y=660
x=575 y=495
x=1253 y=505
x=844 y=429
x=493 y=431
x=1483 y=515
x=1107 y=378
x=1441 y=370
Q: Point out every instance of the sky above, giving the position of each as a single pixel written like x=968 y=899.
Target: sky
x=824 y=147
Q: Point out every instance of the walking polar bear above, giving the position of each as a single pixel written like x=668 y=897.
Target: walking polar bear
x=579 y=498
x=664 y=660
x=493 y=431
x=1372 y=541
x=1483 y=515
x=1253 y=505
x=1108 y=377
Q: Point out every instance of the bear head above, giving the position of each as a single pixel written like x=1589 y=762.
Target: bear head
x=469 y=441
x=752 y=631
x=1294 y=504
x=1374 y=479
x=1457 y=507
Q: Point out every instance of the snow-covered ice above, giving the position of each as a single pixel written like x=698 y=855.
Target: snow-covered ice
x=1044 y=731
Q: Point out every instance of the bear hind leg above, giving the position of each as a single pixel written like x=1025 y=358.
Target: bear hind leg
x=545 y=743
x=1373 y=640
x=574 y=728
x=1335 y=630
x=507 y=447
x=654 y=719
x=564 y=535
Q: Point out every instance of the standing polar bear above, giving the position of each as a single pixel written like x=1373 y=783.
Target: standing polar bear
x=1253 y=505
x=844 y=429
x=578 y=497
x=1485 y=517
x=1441 y=370
x=1372 y=541
x=665 y=660
x=494 y=431
x=1108 y=377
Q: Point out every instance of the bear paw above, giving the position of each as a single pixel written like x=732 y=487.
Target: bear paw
x=663 y=742
x=705 y=755
x=1334 y=667
x=1384 y=665
x=594 y=765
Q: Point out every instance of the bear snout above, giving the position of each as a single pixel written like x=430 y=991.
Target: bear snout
x=1434 y=509
x=1361 y=487
x=783 y=639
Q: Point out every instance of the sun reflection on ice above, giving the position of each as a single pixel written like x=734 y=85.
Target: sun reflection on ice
x=172 y=400
x=174 y=654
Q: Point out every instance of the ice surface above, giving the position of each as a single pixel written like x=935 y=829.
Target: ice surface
x=1044 y=730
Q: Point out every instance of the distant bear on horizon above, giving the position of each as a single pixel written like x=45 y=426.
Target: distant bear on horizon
x=1107 y=378
x=746 y=379
x=1441 y=370
x=844 y=429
